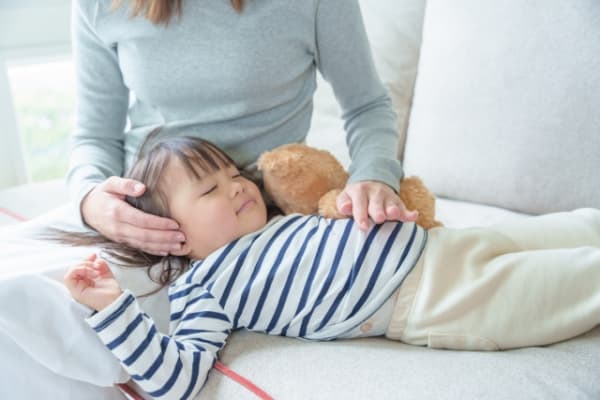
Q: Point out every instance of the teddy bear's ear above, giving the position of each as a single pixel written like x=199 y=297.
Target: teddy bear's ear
x=295 y=176
x=265 y=161
x=328 y=205
x=416 y=196
x=277 y=161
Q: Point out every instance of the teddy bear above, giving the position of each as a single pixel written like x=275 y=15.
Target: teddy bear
x=303 y=179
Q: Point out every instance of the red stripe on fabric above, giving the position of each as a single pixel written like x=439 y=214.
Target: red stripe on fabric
x=130 y=392
x=225 y=370
x=222 y=368
x=12 y=214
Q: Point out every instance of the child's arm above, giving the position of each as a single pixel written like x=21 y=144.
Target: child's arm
x=169 y=367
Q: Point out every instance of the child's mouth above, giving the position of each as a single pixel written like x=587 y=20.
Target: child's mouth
x=245 y=205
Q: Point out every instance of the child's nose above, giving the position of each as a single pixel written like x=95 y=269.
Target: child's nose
x=236 y=188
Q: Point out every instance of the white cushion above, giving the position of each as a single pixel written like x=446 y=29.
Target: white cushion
x=376 y=368
x=460 y=214
x=31 y=200
x=506 y=103
x=394 y=30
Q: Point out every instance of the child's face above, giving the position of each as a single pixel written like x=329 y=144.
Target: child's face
x=215 y=210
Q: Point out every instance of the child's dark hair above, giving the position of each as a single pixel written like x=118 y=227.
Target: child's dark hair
x=198 y=157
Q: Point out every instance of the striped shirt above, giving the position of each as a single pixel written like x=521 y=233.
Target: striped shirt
x=300 y=276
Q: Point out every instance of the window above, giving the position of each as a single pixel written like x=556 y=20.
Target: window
x=44 y=103
x=34 y=35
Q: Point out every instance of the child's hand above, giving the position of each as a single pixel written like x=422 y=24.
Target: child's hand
x=92 y=283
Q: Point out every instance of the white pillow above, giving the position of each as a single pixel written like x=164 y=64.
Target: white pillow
x=507 y=103
x=394 y=30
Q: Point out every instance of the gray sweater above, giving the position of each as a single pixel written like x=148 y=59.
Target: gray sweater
x=243 y=81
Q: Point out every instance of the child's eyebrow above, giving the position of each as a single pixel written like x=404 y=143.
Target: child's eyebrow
x=200 y=174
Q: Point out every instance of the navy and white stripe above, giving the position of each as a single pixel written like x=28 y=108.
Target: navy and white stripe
x=301 y=276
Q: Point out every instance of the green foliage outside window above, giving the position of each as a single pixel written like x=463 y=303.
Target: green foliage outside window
x=44 y=101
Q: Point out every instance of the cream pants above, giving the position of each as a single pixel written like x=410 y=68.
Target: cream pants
x=530 y=282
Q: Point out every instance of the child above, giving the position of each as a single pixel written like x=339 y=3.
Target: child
x=533 y=282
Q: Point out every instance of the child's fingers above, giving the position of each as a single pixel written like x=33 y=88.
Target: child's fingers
x=91 y=257
x=103 y=269
x=78 y=279
x=83 y=264
x=81 y=273
x=71 y=273
x=86 y=264
x=83 y=283
x=85 y=271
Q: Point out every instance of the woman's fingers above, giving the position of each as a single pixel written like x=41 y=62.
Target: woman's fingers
x=106 y=210
x=397 y=211
x=123 y=186
x=376 y=206
x=158 y=242
x=140 y=219
x=344 y=203
x=375 y=200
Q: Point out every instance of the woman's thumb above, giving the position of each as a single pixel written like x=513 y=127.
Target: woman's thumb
x=124 y=186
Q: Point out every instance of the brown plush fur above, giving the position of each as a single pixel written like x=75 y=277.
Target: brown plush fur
x=302 y=179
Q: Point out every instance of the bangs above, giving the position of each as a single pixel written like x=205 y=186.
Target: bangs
x=201 y=159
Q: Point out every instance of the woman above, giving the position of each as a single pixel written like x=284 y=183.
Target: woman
x=239 y=73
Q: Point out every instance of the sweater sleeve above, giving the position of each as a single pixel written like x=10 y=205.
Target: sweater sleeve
x=344 y=59
x=172 y=366
x=97 y=144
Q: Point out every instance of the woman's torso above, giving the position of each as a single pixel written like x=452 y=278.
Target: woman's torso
x=235 y=79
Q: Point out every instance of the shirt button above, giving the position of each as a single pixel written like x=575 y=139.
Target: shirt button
x=366 y=327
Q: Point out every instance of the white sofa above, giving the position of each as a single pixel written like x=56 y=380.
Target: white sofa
x=502 y=124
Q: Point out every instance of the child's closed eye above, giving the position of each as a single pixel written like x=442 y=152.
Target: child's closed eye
x=212 y=189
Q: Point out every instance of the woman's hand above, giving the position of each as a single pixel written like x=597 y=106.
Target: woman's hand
x=92 y=283
x=105 y=209
x=377 y=200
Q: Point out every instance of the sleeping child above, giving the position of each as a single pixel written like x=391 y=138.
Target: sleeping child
x=530 y=282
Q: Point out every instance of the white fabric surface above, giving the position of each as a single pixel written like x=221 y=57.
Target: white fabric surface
x=24 y=378
x=382 y=369
x=394 y=29
x=505 y=107
x=36 y=312
x=43 y=337
x=31 y=200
